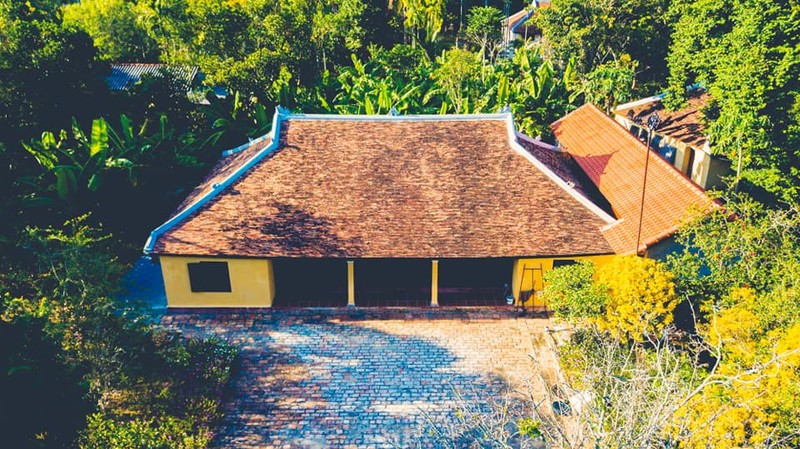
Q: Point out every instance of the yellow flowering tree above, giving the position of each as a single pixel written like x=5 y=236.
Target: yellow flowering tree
x=753 y=393
x=641 y=297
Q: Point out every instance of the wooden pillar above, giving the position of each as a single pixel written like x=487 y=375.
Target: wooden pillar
x=434 y=283
x=351 y=285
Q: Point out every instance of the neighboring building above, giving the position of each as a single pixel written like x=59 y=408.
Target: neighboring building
x=125 y=75
x=680 y=138
x=614 y=160
x=517 y=28
x=379 y=210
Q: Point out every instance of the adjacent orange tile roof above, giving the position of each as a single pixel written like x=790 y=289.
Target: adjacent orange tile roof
x=393 y=187
x=614 y=160
x=684 y=125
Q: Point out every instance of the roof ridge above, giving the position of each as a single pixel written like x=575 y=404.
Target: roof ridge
x=400 y=118
x=512 y=139
x=216 y=188
x=539 y=143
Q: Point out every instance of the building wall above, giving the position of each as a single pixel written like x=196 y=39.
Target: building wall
x=706 y=170
x=661 y=250
x=252 y=283
x=528 y=275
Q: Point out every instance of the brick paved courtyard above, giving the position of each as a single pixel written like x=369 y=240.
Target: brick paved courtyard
x=359 y=378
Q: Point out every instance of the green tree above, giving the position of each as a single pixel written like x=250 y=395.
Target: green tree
x=113 y=26
x=749 y=64
x=609 y=84
x=458 y=76
x=48 y=73
x=742 y=245
x=596 y=32
x=571 y=292
x=484 y=30
x=425 y=16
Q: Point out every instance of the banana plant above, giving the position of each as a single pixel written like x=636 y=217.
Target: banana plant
x=235 y=121
x=366 y=88
x=75 y=162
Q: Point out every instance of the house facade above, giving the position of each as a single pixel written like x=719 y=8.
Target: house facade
x=680 y=137
x=378 y=210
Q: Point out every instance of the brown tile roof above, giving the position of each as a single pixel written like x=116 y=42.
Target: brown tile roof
x=563 y=166
x=614 y=161
x=412 y=187
x=684 y=125
x=226 y=166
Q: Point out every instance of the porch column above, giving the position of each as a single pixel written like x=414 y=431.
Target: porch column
x=351 y=285
x=434 y=283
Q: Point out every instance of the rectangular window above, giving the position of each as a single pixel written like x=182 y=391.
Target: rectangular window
x=563 y=263
x=209 y=277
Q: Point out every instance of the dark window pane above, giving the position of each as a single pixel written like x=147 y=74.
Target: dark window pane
x=209 y=277
x=563 y=263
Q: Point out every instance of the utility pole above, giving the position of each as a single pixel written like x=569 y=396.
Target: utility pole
x=461 y=18
x=652 y=123
x=507 y=30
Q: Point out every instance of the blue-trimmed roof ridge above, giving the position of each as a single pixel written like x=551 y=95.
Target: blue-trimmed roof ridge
x=216 y=188
x=400 y=117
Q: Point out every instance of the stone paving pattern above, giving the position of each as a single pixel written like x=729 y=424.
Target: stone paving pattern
x=356 y=378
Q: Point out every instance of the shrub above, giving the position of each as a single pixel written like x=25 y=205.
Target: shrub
x=144 y=388
x=572 y=293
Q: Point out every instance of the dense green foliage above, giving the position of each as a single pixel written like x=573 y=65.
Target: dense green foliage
x=572 y=293
x=69 y=147
x=630 y=35
x=745 y=54
x=59 y=288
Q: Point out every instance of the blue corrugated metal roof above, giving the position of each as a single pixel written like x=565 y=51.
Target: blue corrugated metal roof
x=125 y=75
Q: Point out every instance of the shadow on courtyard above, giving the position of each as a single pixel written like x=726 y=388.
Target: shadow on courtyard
x=314 y=382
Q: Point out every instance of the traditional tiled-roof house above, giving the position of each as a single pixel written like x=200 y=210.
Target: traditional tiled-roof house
x=414 y=210
x=387 y=210
x=615 y=160
x=517 y=27
x=680 y=137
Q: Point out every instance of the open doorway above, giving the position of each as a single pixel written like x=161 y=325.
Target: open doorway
x=393 y=282
x=310 y=282
x=474 y=282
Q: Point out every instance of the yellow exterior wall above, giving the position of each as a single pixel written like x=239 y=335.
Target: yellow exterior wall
x=252 y=283
x=528 y=275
